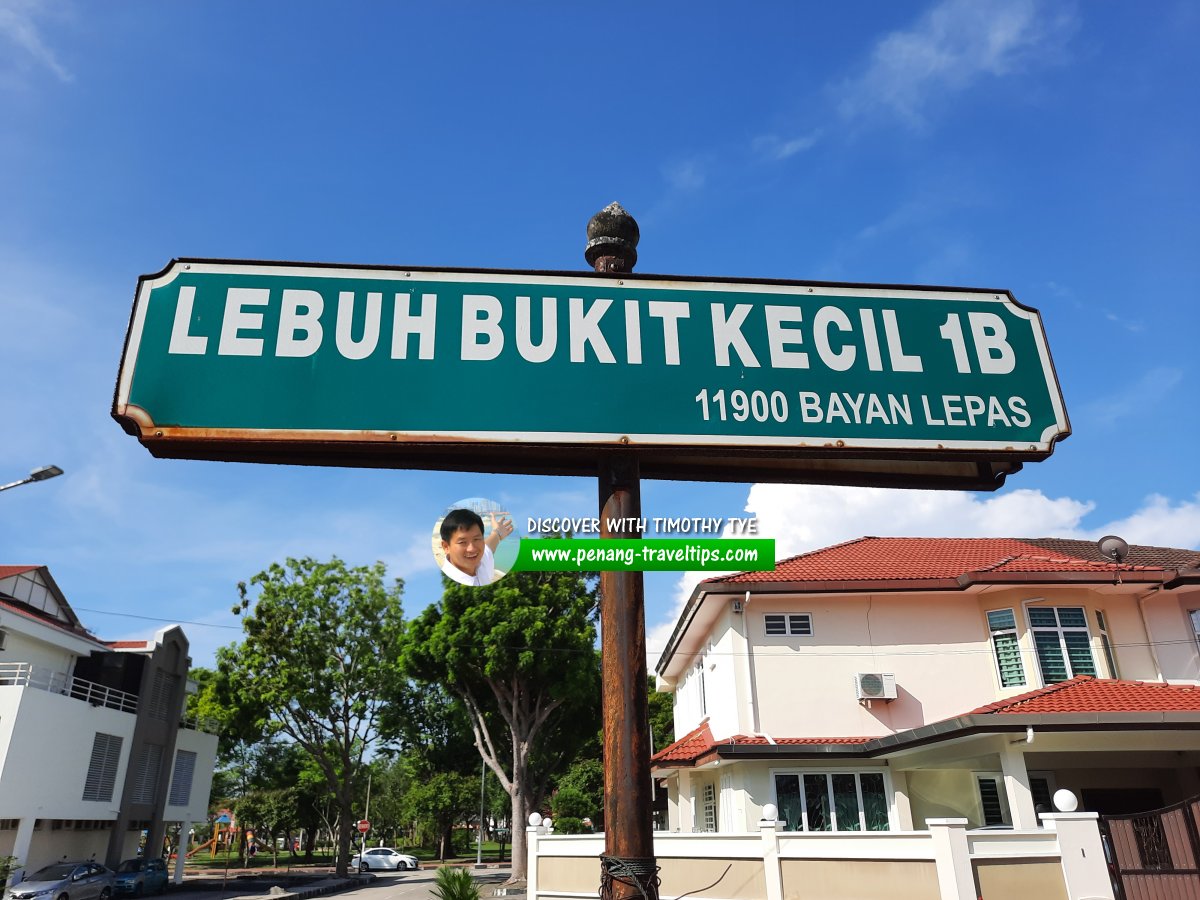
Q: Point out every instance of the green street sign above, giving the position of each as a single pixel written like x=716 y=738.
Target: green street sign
x=541 y=372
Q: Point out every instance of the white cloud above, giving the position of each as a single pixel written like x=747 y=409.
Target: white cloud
x=950 y=48
x=802 y=518
x=1159 y=522
x=18 y=26
x=774 y=147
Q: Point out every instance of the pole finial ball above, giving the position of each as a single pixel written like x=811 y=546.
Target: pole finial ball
x=612 y=240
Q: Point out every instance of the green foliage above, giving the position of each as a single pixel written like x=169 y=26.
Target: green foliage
x=569 y=825
x=437 y=802
x=7 y=865
x=454 y=884
x=520 y=655
x=268 y=813
x=318 y=665
x=662 y=718
x=585 y=779
x=571 y=801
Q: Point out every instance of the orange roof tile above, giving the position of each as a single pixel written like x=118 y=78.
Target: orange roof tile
x=920 y=559
x=699 y=741
x=1085 y=694
x=9 y=571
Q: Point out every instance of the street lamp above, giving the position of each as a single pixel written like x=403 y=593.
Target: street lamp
x=41 y=473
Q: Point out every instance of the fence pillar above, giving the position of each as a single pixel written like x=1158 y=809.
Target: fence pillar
x=1084 y=868
x=772 y=868
x=531 y=870
x=956 y=878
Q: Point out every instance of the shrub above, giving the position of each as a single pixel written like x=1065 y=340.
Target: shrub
x=454 y=884
x=571 y=801
x=8 y=864
x=569 y=825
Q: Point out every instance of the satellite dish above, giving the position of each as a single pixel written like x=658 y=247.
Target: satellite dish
x=1114 y=548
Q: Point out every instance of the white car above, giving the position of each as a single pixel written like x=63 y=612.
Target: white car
x=378 y=858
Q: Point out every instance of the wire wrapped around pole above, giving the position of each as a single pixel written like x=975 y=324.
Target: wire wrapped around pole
x=631 y=872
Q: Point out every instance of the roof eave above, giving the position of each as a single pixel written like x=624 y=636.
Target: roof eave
x=1183 y=578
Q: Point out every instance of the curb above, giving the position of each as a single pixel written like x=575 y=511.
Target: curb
x=320 y=889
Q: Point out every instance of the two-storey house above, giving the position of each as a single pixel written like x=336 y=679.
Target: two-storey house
x=94 y=750
x=879 y=683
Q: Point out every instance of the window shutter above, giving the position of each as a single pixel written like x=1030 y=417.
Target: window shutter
x=989 y=796
x=800 y=623
x=181 y=778
x=1050 y=657
x=1079 y=652
x=1008 y=658
x=102 y=769
x=148 y=767
x=162 y=690
x=1003 y=625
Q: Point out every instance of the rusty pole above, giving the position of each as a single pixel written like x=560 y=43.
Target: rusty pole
x=628 y=868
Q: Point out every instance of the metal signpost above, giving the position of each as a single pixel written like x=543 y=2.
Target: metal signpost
x=604 y=373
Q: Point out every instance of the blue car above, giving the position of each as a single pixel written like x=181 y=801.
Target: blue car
x=141 y=876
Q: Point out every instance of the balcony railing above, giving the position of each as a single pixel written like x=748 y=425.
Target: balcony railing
x=196 y=723
x=20 y=674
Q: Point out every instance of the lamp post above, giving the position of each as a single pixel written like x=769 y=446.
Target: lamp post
x=41 y=473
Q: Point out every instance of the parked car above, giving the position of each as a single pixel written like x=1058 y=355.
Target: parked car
x=65 y=881
x=141 y=876
x=383 y=858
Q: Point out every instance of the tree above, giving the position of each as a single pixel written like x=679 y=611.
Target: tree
x=268 y=813
x=438 y=764
x=319 y=661
x=662 y=718
x=516 y=652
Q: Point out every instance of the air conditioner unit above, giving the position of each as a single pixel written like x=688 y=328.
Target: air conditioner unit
x=875 y=686
x=737 y=606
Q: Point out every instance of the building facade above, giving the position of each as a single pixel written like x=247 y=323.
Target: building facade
x=886 y=682
x=95 y=753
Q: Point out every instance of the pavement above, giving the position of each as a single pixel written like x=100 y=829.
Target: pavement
x=302 y=884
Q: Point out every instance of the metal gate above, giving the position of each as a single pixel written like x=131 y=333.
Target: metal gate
x=1155 y=855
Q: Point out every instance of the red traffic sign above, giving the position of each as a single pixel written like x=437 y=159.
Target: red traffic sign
x=364 y=826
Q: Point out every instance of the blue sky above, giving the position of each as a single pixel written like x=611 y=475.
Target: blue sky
x=1047 y=148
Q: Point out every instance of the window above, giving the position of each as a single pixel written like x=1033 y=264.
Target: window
x=1064 y=647
x=708 y=808
x=832 y=801
x=3 y=635
x=993 y=799
x=788 y=623
x=1195 y=615
x=699 y=670
x=1106 y=645
x=1003 y=626
x=102 y=769
x=181 y=779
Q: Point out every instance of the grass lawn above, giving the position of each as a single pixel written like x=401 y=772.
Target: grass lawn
x=202 y=862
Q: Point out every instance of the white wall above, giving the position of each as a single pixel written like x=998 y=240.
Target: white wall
x=937 y=645
x=24 y=648
x=48 y=751
x=204 y=745
x=1167 y=614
